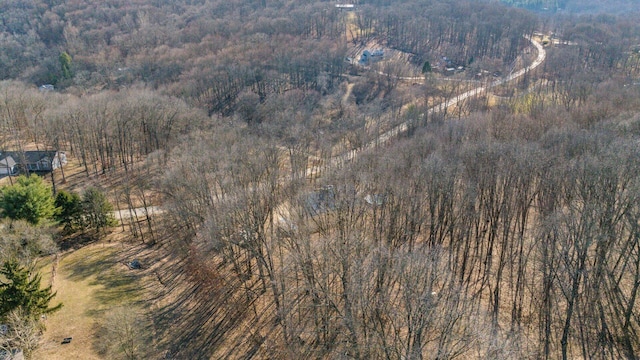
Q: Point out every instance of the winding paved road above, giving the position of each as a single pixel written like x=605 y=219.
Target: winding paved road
x=385 y=137
x=340 y=160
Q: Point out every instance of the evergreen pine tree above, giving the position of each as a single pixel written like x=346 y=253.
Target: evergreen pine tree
x=69 y=210
x=21 y=291
x=29 y=199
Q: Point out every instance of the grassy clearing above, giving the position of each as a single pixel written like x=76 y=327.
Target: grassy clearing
x=89 y=282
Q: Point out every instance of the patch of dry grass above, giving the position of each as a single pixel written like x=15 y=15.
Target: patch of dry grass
x=89 y=282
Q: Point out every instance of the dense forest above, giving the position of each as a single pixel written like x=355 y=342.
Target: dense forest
x=577 y=6
x=300 y=202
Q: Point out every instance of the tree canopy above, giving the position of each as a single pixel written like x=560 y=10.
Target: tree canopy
x=25 y=242
x=21 y=291
x=69 y=210
x=97 y=210
x=29 y=199
x=65 y=65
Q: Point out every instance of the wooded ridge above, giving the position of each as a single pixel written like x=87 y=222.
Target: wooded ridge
x=392 y=180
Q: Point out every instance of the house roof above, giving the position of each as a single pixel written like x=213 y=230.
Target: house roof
x=320 y=201
x=375 y=199
x=7 y=161
x=29 y=157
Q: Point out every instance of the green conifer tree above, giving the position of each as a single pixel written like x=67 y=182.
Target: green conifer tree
x=21 y=291
x=29 y=199
x=69 y=210
x=65 y=65
x=97 y=210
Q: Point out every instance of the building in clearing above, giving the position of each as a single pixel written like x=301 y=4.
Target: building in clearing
x=371 y=56
x=14 y=162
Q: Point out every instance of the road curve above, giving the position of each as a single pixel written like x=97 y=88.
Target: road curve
x=339 y=160
x=385 y=137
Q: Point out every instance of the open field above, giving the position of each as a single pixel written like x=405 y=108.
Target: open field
x=89 y=282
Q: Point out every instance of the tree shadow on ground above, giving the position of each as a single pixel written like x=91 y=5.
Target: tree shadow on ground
x=76 y=241
x=106 y=268
x=197 y=330
x=92 y=261
x=125 y=333
x=188 y=319
x=200 y=317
